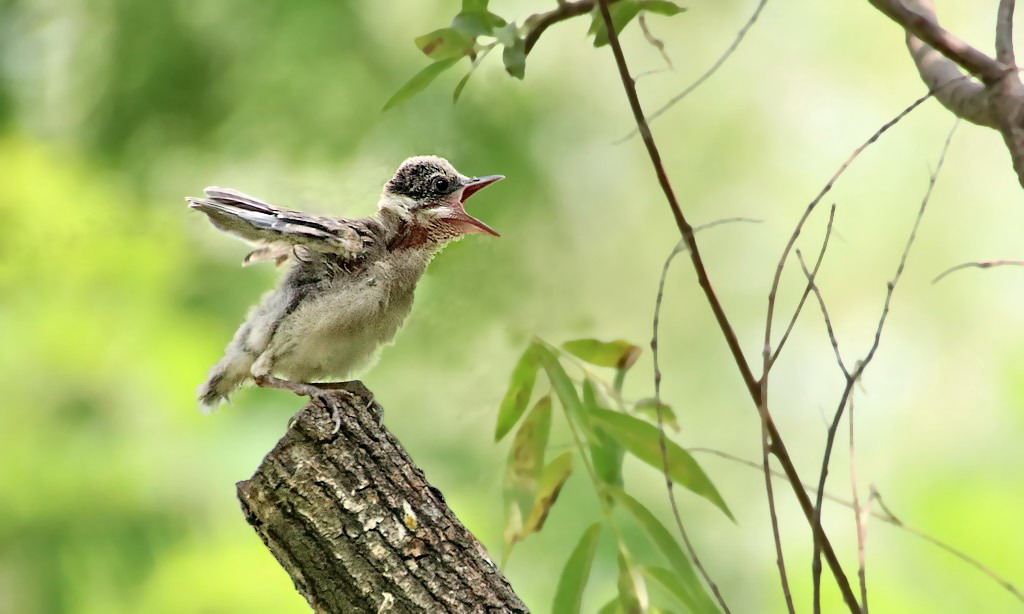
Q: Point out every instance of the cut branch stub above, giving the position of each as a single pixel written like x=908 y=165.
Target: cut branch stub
x=356 y=525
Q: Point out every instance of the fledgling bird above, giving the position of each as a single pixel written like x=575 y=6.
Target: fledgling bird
x=349 y=284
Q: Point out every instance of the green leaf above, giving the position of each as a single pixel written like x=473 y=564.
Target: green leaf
x=551 y=482
x=419 y=82
x=507 y=34
x=472 y=69
x=477 y=22
x=569 y=594
x=612 y=607
x=648 y=408
x=661 y=7
x=526 y=456
x=517 y=397
x=605 y=453
x=444 y=43
x=618 y=354
x=641 y=439
x=514 y=57
x=682 y=569
x=622 y=13
x=632 y=590
x=474 y=5
x=671 y=581
x=523 y=469
x=564 y=388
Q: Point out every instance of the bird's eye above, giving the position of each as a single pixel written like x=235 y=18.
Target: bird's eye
x=440 y=184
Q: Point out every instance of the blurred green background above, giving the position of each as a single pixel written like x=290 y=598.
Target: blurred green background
x=116 y=495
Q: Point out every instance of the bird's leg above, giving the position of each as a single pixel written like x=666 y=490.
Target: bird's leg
x=261 y=376
x=358 y=389
x=299 y=388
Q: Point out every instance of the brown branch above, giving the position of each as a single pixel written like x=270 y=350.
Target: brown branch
x=982 y=264
x=653 y=40
x=669 y=485
x=824 y=313
x=777 y=447
x=769 y=358
x=923 y=25
x=807 y=288
x=356 y=525
x=999 y=102
x=1004 y=33
x=973 y=562
x=860 y=517
x=855 y=376
x=886 y=517
x=539 y=22
x=706 y=75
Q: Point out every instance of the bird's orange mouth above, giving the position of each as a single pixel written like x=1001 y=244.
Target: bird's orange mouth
x=473 y=186
x=467 y=223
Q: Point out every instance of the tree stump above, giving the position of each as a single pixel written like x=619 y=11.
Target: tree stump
x=356 y=525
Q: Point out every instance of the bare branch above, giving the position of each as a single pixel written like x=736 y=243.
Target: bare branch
x=654 y=41
x=851 y=380
x=768 y=358
x=981 y=264
x=963 y=97
x=973 y=562
x=923 y=25
x=1004 y=33
x=669 y=485
x=539 y=22
x=860 y=517
x=707 y=74
x=778 y=448
x=807 y=289
x=824 y=313
x=887 y=517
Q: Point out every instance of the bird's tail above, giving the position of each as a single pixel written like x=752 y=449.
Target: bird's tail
x=224 y=378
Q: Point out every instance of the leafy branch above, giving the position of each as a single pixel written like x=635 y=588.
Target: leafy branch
x=601 y=436
x=475 y=31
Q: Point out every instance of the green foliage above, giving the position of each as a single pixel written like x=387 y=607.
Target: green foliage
x=569 y=595
x=601 y=437
x=618 y=354
x=518 y=395
x=419 y=81
x=445 y=43
x=642 y=440
x=476 y=21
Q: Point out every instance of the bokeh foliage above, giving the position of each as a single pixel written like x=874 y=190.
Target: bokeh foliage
x=117 y=496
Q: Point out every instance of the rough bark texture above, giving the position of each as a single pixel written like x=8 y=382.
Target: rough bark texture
x=357 y=526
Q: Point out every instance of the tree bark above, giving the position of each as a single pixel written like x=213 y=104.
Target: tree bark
x=356 y=525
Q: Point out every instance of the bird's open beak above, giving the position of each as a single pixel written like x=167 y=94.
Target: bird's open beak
x=468 y=223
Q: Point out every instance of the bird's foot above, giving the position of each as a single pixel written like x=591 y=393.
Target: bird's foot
x=359 y=393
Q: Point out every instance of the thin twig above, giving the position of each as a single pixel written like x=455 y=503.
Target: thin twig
x=707 y=74
x=973 y=562
x=540 y=22
x=860 y=517
x=981 y=264
x=859 y=370
x=769 y=359
x=807 y=288
x=654 y=41
x=824 y=313
x=1004 y=33
x=777 y=446
x=669 y=485
x=887 y=517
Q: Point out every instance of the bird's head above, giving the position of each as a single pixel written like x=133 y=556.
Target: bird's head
x=429 y=194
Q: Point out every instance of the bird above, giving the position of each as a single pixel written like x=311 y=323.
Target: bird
x=349 y=282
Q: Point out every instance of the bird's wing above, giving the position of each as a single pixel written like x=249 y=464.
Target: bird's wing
x=278 y=231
